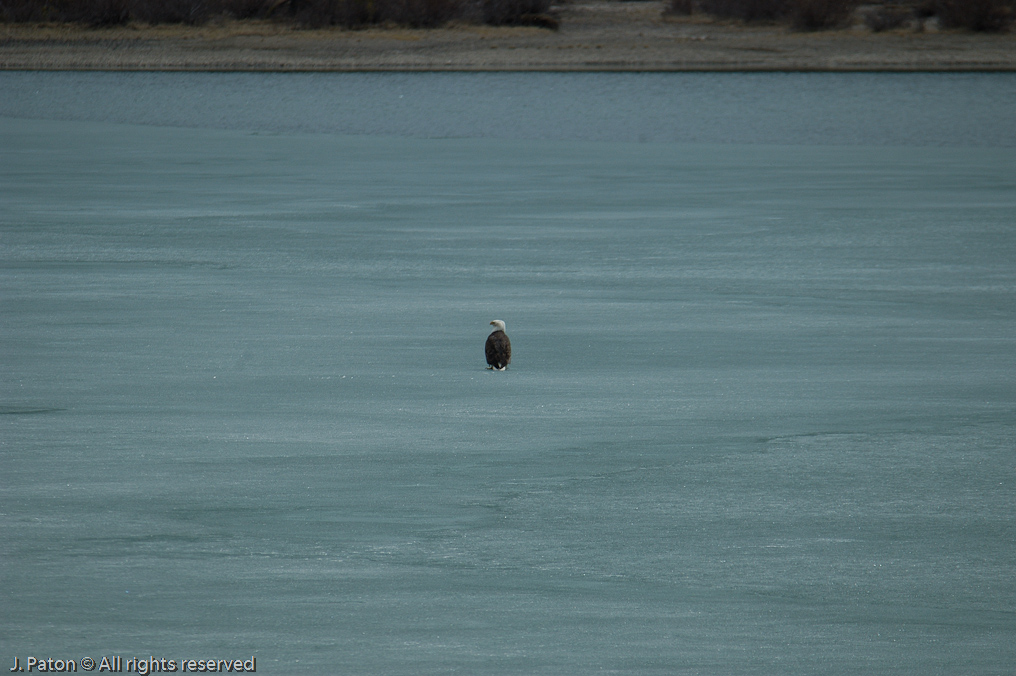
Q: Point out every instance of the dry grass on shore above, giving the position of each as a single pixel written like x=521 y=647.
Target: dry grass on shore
x=595 y=35
x=302 y=13
x=805 y=15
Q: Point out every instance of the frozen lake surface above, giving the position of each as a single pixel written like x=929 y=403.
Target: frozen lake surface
x=761 y=415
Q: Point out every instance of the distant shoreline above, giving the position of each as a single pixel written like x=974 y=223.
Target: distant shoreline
x=594 y=36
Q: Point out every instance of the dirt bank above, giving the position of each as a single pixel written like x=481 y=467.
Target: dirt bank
x=596 y=36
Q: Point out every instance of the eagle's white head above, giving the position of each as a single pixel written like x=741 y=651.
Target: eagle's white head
x=498 y=325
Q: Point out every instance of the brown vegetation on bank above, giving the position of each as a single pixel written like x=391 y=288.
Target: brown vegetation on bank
x=807 y=15
x=975 y=15
x=802 y=14
x=594 y=35
x=305 y=13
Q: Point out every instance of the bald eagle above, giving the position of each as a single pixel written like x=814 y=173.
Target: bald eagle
x=498 y=347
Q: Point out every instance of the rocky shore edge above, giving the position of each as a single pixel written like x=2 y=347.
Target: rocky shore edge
x=594 y=35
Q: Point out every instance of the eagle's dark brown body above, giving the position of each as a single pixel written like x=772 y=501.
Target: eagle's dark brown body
x=498 y=349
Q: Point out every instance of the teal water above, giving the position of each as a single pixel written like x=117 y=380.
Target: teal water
x=760 y=419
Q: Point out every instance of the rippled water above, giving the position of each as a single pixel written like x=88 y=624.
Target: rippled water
x=759 y=420
x=873 y=109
